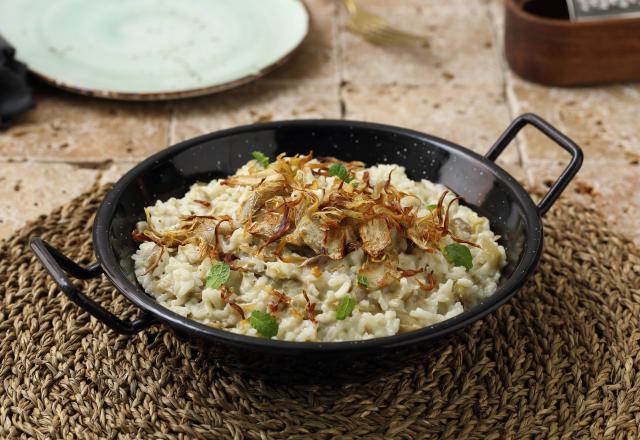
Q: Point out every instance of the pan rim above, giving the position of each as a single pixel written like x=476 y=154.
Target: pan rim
x=111 y=268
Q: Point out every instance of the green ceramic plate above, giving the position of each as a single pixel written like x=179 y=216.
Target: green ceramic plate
x=152 y=49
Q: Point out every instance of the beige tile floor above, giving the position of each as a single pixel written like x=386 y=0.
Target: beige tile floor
x=458 y=88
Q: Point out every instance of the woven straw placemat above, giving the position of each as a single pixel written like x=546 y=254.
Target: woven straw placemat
x=561 y=360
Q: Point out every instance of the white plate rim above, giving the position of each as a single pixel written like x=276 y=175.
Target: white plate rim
x=177 y=94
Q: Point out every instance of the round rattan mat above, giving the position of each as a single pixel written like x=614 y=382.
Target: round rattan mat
x=561 y=360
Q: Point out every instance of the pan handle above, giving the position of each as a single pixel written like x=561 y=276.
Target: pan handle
x=59 y=266
x=552 y=133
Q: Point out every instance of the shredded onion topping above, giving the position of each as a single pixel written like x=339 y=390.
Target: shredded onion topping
x=287 y=210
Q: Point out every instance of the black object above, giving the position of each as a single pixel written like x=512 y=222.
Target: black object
x=15 y=94
x=486 y=188
x=546 y=8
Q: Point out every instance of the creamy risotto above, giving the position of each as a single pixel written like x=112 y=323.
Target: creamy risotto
x=314 y=249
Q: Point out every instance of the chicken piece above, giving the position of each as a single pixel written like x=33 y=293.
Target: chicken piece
x=266 y=224
x=272 y=186
x=312 y=234
x=376 y=236
x=300 y=205
x=334 y=242
x=382 y=273
x=295 y=237
x=306 y=233
x=329 y=242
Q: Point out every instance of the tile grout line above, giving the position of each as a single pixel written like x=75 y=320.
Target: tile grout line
x=507 y=89
x=339 y=53
x=515 y=108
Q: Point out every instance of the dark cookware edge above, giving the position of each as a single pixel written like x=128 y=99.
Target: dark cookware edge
x=57 y=264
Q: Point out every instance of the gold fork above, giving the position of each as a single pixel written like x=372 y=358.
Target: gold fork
x=376 y=29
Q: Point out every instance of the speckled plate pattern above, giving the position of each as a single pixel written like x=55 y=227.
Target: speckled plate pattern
x=153 y=49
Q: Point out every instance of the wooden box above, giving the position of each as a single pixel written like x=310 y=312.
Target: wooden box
x=543 y=46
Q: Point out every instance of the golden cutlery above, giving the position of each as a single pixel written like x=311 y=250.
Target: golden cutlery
x=376 y=29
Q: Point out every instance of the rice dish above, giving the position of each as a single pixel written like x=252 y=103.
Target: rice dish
x=315 y=249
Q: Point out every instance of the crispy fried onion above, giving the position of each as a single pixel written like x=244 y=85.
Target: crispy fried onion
x=427 y=231
x=311 y=308
x=409 y=272
x=286 y=207
x=281 y=299
x=431 y=283
x=288 y=213
x=154 y=264
x=230 y=260
x=201 y=231
x=380 y=274
x=225 y=294
x=205 y=203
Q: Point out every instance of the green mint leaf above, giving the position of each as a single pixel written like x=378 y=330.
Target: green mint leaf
x=355 y=183
x=261 y=158
x=264 y=323
x=459 y=255
x=218 y=275
x=339 y=170
x=345 y=307
x=431 y=207
x=362 y=280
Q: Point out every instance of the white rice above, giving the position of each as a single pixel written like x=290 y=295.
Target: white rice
x=178 y=281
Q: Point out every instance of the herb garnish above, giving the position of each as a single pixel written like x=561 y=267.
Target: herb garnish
x=264 y=323
x=340 y=171
x=345 y=307
x=432 y=207
x=218 y=275
x=261 y=158
x=363 y=280
x=459 y=255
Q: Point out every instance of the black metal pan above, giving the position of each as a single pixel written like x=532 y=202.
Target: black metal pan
x=486 y=188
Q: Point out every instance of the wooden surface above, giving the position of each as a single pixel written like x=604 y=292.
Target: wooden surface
x=460 y=89
x=559 y=52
